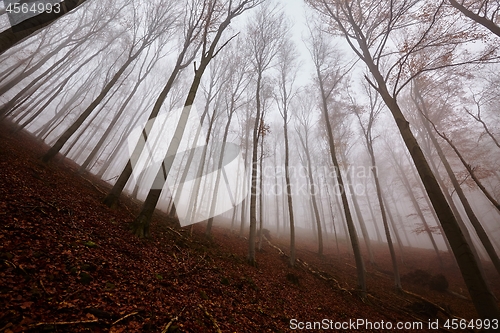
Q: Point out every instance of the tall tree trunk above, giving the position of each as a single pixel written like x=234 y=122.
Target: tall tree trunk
x=361 y=220
x=253 y=186
x=416 y=205
x=141 y=224
x=25 y=29
x=483 y=236
x=397 y=279
x=360 y=267
x=312 y=189
x=289 y=194
x=80 y=120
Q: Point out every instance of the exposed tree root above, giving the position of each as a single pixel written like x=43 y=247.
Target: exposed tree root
x=449 y=315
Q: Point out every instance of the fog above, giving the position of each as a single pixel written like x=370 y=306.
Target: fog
x=300 y=124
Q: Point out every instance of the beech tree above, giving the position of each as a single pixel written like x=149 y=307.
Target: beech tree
x=304 y=128
x=366 y=123
x=216 y=20
x=192 y=17
x=159 y=20
x=287 y=67
x=329 y=74
x=264 y=35
x=367 y=27
x=423 y=108
x=484 y=12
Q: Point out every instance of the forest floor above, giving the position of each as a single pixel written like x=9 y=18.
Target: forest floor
x=70 y=264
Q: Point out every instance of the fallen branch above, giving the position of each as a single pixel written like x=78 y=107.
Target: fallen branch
x=275 y=247
x=93 y=185
x=124 y=317
x=434 y=304
x=67 y=322
x=10 y=263
x=172 y=321
x=211 y=318
x=322 y=275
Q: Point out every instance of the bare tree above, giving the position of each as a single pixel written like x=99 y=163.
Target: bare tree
x=485 y=240
x=236 y=81
x=366 y=125
x=265 y=32
x=367 y=27
x=287 y=66
x=193 y=28
x=303 y=129
x=329 y=74
x=216 y=20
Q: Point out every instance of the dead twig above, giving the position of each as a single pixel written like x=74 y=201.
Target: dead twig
x=124 y=317
x=172 y=321
x=275 y=247
x=211 y=318
x=67 y=322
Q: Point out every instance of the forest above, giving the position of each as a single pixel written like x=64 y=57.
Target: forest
x=249 y=165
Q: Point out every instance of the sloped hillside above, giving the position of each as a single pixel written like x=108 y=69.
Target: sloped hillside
x=69 y=264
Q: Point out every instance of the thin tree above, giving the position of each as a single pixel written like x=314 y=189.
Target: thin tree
x=265 y=32
x=367 y=27
x=287 y=67
x=373 y=111
x=194 y=12
x=26 y=28
x=484 y=12
x=303 y=129
x=329 y=74
x=159 y=23
x=218 y=19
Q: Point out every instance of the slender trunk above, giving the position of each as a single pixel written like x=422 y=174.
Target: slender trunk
x=112 y=197
x=362 y=224
x=25 y=29
x=46 y=75
x=409 y=190
x=261 y=191
x=253 y=188
x=333 y=219
x=312 y=189
x=141 y=224
x=289 y=195
x=74 y=127
x=397 y=279
x=349 y=220
x=379 y=237
x=394 y=227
